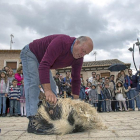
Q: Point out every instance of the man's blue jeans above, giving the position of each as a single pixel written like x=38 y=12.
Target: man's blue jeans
x=134 y=93
x=2 y=102
x=31 y=80
x=13 y=105
x=130 y=101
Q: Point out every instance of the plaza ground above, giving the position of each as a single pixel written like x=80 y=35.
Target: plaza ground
x=121 y=126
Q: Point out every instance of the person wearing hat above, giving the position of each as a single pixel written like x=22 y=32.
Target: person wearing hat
x=120 y=94
x=93 y=96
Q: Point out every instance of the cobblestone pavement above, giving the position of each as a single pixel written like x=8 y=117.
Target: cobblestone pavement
x=121 y=126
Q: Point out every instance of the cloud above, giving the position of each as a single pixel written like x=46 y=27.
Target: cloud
x=112 y=24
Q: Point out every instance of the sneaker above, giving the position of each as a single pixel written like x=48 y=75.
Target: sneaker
x=16 y=115
x=3 y=115
x=38 y=126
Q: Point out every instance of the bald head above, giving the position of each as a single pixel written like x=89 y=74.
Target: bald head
x=87 y=40
x=83 y=45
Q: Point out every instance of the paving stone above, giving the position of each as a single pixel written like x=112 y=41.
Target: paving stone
x=8 y=138
x=3 y=132
x=14 y=133
x=127 y=133
x=121 y=126
x=101 y=133
x=74 y=135
x=85 y=138
x=37 y=137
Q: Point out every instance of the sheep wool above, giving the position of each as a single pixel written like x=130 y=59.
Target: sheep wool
x=68 y=116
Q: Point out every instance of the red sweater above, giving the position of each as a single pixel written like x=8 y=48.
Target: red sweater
x=53 y=52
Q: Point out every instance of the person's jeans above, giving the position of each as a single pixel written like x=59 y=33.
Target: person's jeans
x=2 y=103
x=18 y=104
x=103 y=105
x=134 y=93
x=31 y=80
x=13 y=105
x=95 y=105
x=108 y=105
x=130 y=101
x=114 y=104
x=99 y=102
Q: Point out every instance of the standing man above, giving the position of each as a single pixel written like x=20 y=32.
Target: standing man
x=92 y=78
x=41 y=55
x=112 y=88
x=67 y=84
x=133 y=91
x=57 y=81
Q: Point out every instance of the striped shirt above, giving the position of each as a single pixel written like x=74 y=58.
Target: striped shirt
x=14 y=92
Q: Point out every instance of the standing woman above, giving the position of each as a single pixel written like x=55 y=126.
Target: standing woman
x=4 y=87
x=19 y=77
x=97 y=83
x=126 y=82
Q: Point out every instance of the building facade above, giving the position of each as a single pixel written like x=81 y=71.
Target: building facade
x=11 y=58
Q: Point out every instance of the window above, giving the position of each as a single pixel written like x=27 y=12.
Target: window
x=12 y=65
x=106 y=74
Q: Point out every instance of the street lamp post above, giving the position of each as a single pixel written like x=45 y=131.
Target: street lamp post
x=95 y=53
x=11 y=42
x=132 y=50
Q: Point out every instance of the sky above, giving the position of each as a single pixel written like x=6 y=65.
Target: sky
x=113 y=25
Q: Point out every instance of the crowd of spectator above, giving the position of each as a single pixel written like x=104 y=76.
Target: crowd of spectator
x=12 y=96
x=105 y=94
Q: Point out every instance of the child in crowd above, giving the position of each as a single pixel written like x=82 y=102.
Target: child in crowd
x=4 y=86
x=10 y=79
x=108 y=97
x=120 y=94
x=82 y=94
x=23 y=102
x=103 y=102
x=6 y=69
x=93 y=96
x=14 y=96
x=10 y=76
x=19 y=77
x=87 y=89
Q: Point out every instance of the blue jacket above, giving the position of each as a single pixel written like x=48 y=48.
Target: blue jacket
x=134 y=80
x=127 y=82
x=138 y=84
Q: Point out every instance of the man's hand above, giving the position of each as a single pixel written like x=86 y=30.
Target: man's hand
x=50 y=97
